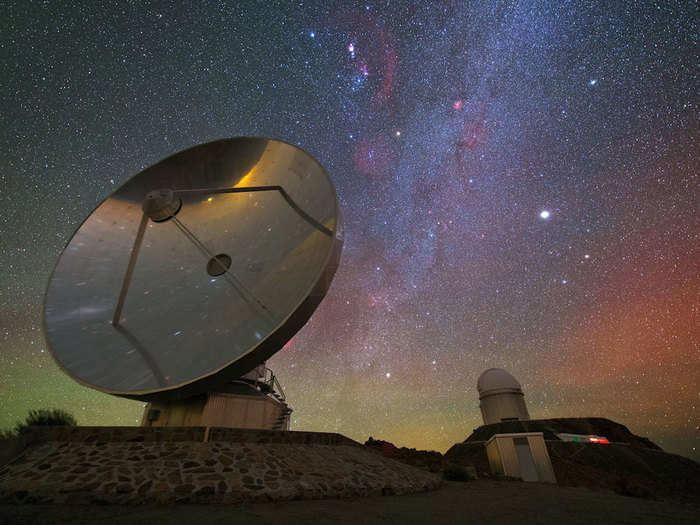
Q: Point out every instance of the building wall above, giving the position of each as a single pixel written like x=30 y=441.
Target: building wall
x=509 y=458
x=236 y=411
x=183 y=413
x=504 y=406
x=494 y=458
x=503 y=457
x=217 y=410
x=543 y=462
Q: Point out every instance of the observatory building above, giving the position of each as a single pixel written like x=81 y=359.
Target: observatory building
x=500 y=397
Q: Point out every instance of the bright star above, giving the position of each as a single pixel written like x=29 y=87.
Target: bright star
x=388 y=374
x=544 y=214
x=593 y=82
x=312 y=34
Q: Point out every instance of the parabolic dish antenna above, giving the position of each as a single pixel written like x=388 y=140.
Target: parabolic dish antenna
x=195 y=271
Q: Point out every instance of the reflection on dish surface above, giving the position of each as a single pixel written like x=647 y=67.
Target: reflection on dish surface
x=183 y=316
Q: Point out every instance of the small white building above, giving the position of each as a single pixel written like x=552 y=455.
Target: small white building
x=522 y=455
x=500 y=397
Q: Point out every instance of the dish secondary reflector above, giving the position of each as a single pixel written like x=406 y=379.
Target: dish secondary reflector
x=195 y=271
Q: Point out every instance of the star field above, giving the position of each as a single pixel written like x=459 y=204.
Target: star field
x=518 y=182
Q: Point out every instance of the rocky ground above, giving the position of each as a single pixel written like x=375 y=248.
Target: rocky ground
x=482 y=501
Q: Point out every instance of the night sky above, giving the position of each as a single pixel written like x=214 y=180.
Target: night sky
x=518 y=182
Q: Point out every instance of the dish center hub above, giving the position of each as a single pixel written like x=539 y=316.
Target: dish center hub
x=161 y=205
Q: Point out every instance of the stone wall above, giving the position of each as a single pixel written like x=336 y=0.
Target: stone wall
x=130 y=465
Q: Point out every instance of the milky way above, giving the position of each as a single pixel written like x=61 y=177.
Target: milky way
x=518 y=182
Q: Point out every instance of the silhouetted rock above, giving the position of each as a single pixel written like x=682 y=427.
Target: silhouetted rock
x=424 y=459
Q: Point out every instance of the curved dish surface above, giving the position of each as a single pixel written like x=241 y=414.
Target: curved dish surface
x=214 y=290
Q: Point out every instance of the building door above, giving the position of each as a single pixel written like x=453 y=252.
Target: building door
x=526 y=462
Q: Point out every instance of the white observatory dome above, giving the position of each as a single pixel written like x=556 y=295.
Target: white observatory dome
x=496 y=379
x=501 y=397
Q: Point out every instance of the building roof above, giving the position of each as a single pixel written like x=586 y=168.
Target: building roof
x=496 y=380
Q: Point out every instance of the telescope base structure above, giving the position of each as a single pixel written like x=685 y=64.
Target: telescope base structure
x=241 y=404
x=170 y=465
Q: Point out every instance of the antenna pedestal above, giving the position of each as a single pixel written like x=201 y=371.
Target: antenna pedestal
x=254 y=401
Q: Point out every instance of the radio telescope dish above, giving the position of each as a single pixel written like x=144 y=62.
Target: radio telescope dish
x=195 y=271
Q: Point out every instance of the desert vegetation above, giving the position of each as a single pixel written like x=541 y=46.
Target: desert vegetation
x=41 y=417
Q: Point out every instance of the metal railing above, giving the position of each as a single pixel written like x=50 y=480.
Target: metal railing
x=270 y=379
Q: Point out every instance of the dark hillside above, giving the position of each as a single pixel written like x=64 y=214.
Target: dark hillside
x=615 y=432
x=630 y=465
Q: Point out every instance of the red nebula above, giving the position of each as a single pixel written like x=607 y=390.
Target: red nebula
x=368 y=34
x=390 y=61
x=458 y=104
x=472 y=136
x=361 y=67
